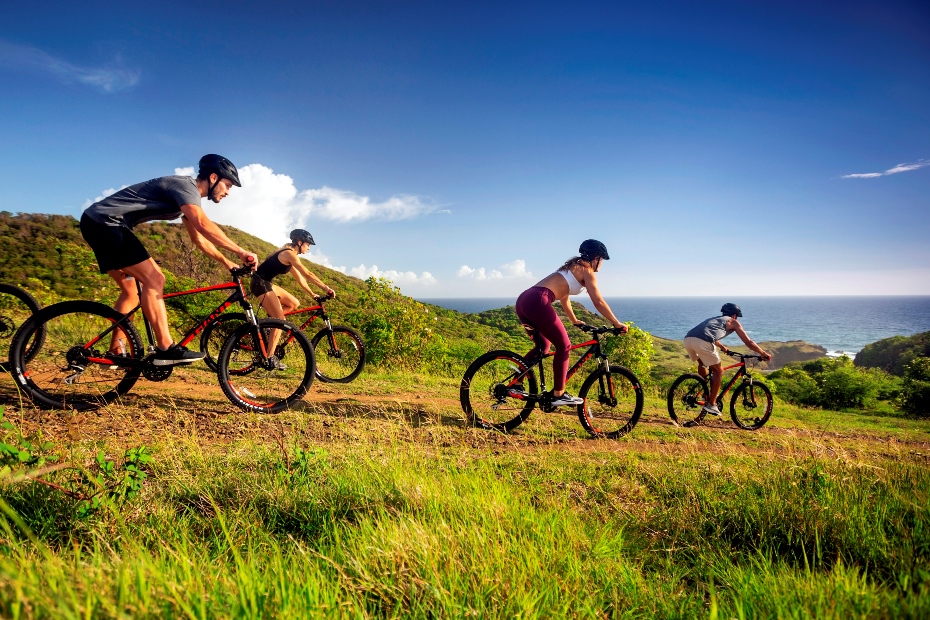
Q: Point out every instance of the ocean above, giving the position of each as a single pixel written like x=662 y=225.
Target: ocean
x=839 y=324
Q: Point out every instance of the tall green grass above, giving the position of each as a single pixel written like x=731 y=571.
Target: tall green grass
x=391 y=529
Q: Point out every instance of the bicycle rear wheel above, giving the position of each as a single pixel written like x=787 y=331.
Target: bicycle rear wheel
x=16 y=306
x=751 y=405
x=613 y=402
x=339 y=354
x=215 y=335
x=251 y=383
x=686 y=399
x=65 y=372
x=498 y=391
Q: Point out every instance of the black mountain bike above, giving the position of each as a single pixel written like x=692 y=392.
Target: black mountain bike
x=750 y=406
x=339 y=351
x=499 y=390
x=77 y=367
x=16 y=306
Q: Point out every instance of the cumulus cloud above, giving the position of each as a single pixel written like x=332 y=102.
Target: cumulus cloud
x=109 y=79
x=268 y=205
x=509 y=271
x=397 y=277
x=920 y=163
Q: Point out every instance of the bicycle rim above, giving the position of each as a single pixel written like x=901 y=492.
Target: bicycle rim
x=339 y=354
x=686 y=399
x=751 y=405
x=492 y=393
x=16 y=307
x=62 y=373
x=613 y=402
x=250 y=384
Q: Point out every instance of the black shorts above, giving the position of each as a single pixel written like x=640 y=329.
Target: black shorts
x=259 y=285
x=114 y=246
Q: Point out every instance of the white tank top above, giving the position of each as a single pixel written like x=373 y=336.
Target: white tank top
x=574 y=286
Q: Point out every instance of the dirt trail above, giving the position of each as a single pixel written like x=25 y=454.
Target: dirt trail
x=189 y=408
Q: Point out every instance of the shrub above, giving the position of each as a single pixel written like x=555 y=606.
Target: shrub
x=834 y=384
x=796 y=386
x=915 y=393
x=633 y=350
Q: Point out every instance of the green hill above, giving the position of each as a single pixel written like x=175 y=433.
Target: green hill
x=893 y=354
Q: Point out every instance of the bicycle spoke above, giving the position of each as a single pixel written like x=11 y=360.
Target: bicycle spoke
x=494 y=395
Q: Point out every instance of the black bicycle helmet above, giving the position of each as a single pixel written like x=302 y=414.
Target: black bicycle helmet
x=221 y=166
x=730 y=310
x=299 y=234
x=592 y=249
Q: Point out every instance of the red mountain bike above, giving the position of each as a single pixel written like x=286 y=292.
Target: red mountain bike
x=75 y=368
x=499 y=390
x=339 y=351
x=750 y=407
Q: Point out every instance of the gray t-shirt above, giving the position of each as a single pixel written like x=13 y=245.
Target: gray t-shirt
x=158 y=199
x=711 y=330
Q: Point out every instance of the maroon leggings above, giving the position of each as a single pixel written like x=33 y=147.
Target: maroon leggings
x=534 y=307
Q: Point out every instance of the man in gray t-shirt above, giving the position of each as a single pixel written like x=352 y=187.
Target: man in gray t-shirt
x=704 y=339
x=107 y=227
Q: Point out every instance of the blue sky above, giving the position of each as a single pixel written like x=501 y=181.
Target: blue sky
x=464 y=149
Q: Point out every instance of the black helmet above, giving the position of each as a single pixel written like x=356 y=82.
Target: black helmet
x=299 y=234
x=730 y=310
x=592 y=249
x=221 y=166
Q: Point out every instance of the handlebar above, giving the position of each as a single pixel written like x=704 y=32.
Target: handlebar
x=321 y=298
x=593 y=329
x=743 y=356
x=242 y=271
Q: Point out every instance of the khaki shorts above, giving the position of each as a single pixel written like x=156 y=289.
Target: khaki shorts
x=702 y=350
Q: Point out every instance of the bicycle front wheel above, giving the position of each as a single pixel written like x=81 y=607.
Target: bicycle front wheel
x=613 y=402
x=252 y=382
x=339 y=354
x=215 y=335
x=498 y=391
x=16 y=306
x=751 y=405
x=68 y=370
x=686 y=399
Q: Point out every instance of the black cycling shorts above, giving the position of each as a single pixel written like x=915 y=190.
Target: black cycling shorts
x=259 y=285
x=114 y=246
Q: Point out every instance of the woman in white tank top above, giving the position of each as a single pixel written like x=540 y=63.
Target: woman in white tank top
x=534 y=307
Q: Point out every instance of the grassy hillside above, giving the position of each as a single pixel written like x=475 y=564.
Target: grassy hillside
x=893 y=354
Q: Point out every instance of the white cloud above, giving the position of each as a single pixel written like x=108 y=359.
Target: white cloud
x=397 y=277
x=897 y=169
x=108 y=79
x=269 y=205
x=509 y=271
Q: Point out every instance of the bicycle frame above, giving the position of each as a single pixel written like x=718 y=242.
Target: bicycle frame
x=594 y=350
x=237 y=296
x=724 y=390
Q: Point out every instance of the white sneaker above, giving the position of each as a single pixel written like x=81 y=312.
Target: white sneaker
x=712 y=410
x=566 y=399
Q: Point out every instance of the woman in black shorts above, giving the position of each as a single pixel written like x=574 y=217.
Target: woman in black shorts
x=284 y=261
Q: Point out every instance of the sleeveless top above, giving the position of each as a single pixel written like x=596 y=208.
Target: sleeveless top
x=711 y=330
x=574 y=286
x=272 y=267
